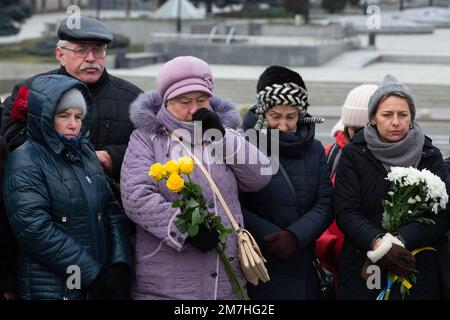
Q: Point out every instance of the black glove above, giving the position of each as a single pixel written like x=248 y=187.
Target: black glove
x=398 y=260
x=209 y=119
x=205 y=240
x=112 y=284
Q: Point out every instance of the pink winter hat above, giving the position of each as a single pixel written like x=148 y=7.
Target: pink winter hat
x=182 y=75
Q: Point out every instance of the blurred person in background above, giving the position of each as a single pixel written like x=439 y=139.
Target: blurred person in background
x=353 y=118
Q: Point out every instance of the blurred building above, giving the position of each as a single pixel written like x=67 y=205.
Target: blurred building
x=51 y=5
x=120 y=4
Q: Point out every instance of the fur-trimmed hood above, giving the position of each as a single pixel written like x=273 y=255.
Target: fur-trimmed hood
x=144 y=109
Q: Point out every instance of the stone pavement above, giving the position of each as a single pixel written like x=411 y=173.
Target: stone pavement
x=329 y=84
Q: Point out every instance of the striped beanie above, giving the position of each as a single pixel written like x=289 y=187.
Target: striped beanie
x=281 y=86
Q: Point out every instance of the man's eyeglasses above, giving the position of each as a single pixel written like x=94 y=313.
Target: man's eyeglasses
x=98 y=52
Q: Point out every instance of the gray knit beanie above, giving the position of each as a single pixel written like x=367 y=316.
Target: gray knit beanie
x=72 y=98
x=387 y=86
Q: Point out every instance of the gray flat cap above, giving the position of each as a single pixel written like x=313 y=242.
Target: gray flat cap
x=88 y=29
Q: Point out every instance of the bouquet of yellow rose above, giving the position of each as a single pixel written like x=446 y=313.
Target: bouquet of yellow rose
x=194 y=214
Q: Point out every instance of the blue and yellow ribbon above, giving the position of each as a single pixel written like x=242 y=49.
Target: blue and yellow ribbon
x=384 y=295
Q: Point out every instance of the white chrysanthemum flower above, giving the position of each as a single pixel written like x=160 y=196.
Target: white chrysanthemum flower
x=397 y=174
x=435 y=208
x=404 y=176
x=436 y=190
x=443 y=202
x=413 y=178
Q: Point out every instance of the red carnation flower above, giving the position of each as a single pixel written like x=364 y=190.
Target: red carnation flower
x=20 y=105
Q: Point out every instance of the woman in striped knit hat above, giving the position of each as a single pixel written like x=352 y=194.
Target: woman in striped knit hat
x=291 y=212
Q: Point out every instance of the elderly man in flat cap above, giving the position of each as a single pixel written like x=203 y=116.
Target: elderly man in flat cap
x=81 y=53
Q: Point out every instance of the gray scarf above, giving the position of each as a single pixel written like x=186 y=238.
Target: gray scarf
x=404 y=153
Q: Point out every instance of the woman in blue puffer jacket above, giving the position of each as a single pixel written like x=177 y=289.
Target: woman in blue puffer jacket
x=70 y=230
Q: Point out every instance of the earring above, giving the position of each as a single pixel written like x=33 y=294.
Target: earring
x=411 y=125
x=372 y=123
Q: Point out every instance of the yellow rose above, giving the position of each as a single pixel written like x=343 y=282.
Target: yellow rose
x=186 y=165
x=157 y=171
x=175 y=183
x=171 y=166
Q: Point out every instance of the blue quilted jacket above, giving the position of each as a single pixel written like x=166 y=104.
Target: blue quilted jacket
x=59 y=203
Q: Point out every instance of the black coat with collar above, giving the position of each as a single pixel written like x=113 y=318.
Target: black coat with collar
x=360 y=189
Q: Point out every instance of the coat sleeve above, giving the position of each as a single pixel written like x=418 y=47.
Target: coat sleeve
x=126 y=93
x=8 y=255
x=314 y=222
x=116 y=152
x=259 y=227
x=118 y=231
x=416 y=234
x=348 y=207
x=141 y=199
x=27 y=204
x=250 y=166
x=447 y=164
x=8 y=245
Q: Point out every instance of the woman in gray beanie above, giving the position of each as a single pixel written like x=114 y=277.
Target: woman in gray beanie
x=391 y=138
x=71 y=232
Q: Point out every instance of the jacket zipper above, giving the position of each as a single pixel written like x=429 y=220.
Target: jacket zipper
x=92 y=224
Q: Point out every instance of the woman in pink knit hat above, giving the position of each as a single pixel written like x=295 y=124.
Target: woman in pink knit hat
x=169 y=264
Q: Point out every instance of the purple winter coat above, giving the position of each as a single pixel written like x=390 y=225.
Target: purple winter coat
x=166 y=266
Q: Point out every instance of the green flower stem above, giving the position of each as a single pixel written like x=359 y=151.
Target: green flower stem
x=390 y=284
x=387 y=295
x=240 y=293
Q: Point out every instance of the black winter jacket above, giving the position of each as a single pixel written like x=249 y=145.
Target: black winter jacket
x=307 y=214
x=60 y=206
x=110 y=126
x=360 y=188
